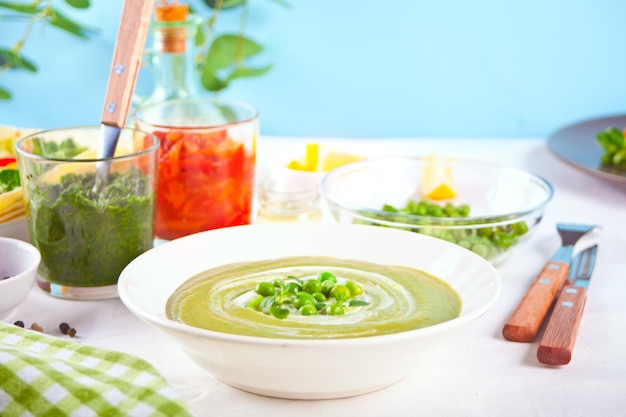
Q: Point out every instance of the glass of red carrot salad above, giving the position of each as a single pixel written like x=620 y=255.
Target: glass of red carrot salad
x=206 y=163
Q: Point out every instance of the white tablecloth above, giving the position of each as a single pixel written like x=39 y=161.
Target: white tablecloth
x=479 y=373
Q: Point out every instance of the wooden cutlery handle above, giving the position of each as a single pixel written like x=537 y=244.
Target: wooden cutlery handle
x=525 y=321
x=131 y=39
x=557 y=343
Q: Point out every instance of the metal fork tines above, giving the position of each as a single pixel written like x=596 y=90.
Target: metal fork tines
x=582 y=266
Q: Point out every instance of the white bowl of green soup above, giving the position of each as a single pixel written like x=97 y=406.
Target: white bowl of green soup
x=309 y=311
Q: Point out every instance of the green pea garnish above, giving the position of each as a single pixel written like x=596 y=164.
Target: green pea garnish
x=302 y=299
x=340 y=292
x=323 y=295
x=319 y=296
x=308 y=310
x=312 y=286
x=355 y=289
x=265 y=289
x=335 y=309
x=327 y=286
x=255 y=303
x=327 y=276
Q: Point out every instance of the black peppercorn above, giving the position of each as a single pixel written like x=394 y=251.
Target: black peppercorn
x=64 y=327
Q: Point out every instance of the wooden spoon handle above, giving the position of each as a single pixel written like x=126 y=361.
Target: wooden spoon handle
x=525 y=321
x=557 y=343
x=131 y=39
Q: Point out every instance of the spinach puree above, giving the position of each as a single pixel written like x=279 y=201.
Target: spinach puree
x=400 y=299
x=86 y=238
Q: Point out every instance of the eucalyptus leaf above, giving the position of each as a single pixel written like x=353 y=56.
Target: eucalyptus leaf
x=281 y=3
x=37 y=10
x=227 y=50
x=224 y=4
x=358 y=303
x=14 y=60
x=242 y=72
x=21 y=8
x=55 y=17
x=210 y=81
x=78 y=4
x=4 y=94
x=62 y=22
x=201 y=36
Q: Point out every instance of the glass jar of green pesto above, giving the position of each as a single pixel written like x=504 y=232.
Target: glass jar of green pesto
x=86 y=232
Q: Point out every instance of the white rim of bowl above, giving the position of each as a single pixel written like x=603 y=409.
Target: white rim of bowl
x=27 y=247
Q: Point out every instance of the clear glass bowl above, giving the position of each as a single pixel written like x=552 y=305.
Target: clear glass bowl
x=506 y=204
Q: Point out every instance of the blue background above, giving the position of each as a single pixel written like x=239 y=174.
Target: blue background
x=348 y=68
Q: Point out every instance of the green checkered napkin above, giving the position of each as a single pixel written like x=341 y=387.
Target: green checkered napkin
x=42 y=375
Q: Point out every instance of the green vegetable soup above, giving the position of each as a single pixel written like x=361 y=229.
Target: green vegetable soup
x=384 y=299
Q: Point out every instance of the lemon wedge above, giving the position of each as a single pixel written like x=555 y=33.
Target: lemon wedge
x=319 y=158
x=310 y=160
x=335 y=159
x=436 y=183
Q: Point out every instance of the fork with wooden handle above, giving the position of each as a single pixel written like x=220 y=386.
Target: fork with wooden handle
x=557 y=343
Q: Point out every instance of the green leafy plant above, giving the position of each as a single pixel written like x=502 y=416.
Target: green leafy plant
x=226 y=57
x=223 y=58
x=613 y=142
x=12 y=57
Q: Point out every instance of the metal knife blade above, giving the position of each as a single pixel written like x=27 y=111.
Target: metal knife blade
x=557 y=344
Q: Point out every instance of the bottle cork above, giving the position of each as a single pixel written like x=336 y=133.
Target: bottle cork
x=173 y=37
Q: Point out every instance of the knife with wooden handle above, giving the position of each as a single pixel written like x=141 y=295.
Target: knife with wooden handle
x=557 y=343
x=525 y=321
x=131 y=38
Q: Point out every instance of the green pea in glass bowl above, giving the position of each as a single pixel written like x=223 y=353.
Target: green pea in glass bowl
x=484 y=207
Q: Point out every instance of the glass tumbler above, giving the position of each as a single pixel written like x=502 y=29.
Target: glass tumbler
x=88 y=226
x=206 y=164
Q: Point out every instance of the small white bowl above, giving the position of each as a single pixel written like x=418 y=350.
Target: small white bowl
x=307 y=368
x=19 y=261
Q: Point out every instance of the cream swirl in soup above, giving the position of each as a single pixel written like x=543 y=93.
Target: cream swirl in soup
x=398 y=298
